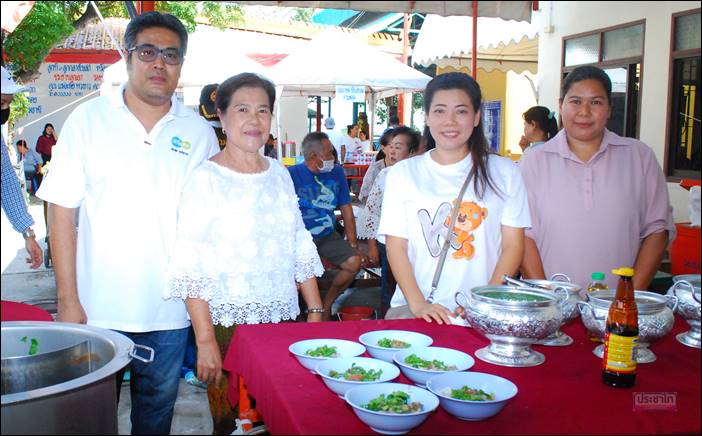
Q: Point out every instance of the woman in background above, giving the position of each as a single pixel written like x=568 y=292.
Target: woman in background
x=539 y=126
x=46 y=142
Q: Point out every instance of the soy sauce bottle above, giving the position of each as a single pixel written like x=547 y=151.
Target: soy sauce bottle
x=621 y=334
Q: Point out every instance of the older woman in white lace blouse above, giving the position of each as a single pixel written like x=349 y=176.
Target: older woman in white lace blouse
x=403 y=143
x=241 y=246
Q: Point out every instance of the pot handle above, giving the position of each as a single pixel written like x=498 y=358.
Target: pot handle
x=563 y=294
x=671 y=301
x=567 y=279
x=689 y=285
x=455 y=298
x=133 y=353
x=583 y=304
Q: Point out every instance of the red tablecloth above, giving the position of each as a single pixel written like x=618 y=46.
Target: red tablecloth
x=565 y=395
x=13 y=311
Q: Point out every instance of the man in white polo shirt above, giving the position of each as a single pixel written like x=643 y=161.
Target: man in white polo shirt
x=123 y=160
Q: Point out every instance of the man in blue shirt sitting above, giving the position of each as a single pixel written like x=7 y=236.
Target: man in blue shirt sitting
x=321 y=188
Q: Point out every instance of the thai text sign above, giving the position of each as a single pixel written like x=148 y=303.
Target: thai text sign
x=351 y=93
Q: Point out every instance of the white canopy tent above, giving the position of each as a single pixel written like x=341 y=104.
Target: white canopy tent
x=502 y=45
x=205 y=62
x=334 y=59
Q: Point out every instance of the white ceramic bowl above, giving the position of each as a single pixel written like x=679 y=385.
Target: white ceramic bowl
x=390 y=423
x=503 y=389
x=448 y=356
x=370 y=340
x=344 y=348
x=340 y=385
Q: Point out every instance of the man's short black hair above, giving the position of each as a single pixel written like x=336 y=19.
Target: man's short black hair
x=155 y=19
x=394 y=120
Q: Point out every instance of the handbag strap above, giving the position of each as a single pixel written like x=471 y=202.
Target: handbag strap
x=447 y=241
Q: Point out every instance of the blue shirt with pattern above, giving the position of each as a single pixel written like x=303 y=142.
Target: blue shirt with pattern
x=319 y=194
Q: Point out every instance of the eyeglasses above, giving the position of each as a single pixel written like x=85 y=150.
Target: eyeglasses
x=148 y=53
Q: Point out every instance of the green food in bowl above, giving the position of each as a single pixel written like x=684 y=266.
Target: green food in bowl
x=393 y=343
x=357 y=373
x=395 y=402
x=323 y=351
x=469 y=394
x=432 y=365
x=513 y=296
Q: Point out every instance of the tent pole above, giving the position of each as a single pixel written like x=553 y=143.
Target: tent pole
x=405 y=46
x=474 y=55
x=319 y=113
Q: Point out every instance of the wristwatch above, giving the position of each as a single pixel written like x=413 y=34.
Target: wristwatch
x=28 y=233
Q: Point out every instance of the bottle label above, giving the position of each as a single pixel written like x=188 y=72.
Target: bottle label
x=620 y=353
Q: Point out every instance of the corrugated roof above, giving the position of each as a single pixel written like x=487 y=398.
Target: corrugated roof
x=95 y=36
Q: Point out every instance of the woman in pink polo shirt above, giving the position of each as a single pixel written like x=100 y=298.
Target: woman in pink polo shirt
x=597 y=200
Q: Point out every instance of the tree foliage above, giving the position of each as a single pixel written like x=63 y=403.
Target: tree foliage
x=49 y=22
x=303 y=14
x=18 y=109
x=30 y=43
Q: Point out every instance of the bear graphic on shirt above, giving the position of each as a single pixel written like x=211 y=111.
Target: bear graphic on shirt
x=470 y=216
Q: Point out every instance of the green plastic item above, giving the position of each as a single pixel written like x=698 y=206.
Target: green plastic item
x=599 y=276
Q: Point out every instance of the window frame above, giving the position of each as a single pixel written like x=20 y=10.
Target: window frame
x=620 y=62
x=672 y=57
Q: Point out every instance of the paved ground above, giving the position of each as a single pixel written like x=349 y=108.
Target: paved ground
x=19 y=283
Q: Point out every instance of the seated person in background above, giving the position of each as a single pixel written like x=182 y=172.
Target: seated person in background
x=375 y=168
x=539 y=126
x=32 y=165
x=321 y=188
x=270 y=149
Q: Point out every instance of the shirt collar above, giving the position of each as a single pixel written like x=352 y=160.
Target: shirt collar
x=559 y=145
x=177 y=108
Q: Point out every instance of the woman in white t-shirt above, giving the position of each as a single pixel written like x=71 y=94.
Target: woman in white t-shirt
x=488 y=236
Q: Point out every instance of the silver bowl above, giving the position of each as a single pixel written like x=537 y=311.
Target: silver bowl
x=687 y=289
x=569 y=306
x=511 y=326
x=655 y=318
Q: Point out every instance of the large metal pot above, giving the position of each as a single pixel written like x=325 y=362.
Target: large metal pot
x=511 y=325
x=59 y=378
x=655 y=318
x=687 y=289
x=569 y=307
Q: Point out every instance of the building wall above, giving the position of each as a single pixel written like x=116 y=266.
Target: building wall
x=514 y=92
x=59 y=85
x=520 y=97
x=571 y=18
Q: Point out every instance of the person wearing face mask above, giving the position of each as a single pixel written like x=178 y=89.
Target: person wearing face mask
x=321 y=188
x=13 y=203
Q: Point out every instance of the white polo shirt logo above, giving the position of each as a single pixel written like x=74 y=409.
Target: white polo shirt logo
x=180 y=146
